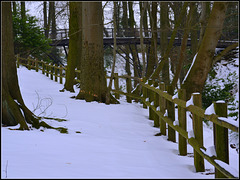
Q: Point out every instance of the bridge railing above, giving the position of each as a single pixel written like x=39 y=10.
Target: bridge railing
x=161 y=103
x=108 y=32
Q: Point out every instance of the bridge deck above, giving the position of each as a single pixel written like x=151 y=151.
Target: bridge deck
x=136 y=40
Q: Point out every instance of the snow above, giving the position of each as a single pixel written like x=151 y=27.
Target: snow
x=210 y=110
x=230 y=169
x=191 y=134
x=175 y=96
x=116 y=141
x=190 y=68
x=210 y=151
x=189 y=102
x=229 y=120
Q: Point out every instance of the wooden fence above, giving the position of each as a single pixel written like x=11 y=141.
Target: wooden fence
x=161 y=102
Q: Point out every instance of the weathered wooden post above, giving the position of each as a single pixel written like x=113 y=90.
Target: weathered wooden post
x=171 y=115
x=221 y=137
x=162 y=103
x=156 y=104
x=60 y=73
x=51 y=67
x=36 y=64
x=43 y=66
x=116 y=85
x=47 y=69
x=144 y=91
x=198 y=133
x=150 y=96
x=182 y=142
x=129 y=89
x=29 y=63
x=17 y=60
x=55 y=72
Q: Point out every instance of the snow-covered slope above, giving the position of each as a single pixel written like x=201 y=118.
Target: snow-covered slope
x=116 y=141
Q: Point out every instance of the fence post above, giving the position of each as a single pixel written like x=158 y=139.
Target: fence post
x=17 y=60
x=43 y=66
x=156 y=104
x=29 y=65
x=116 y=85
x=221 y=137
x=182 y=142
x=198 y=133
x=60 y=73
x=55 y=72
x=171 y=115
x=129 y=88
x=36 y=64
x=51 y=71
x=144 y=92
x=162 y=103
x=150 y=96
x=46 y=65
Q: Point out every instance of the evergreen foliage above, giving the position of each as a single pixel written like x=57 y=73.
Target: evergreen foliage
x=218 y=88
x=29 y=38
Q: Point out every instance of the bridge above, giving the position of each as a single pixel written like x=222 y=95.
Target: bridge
x=125 y=37
x=132 y=37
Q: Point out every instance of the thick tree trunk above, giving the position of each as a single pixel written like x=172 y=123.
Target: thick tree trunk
x=164 y=27
x=203 y=19
x=14 y=110
x=75 y=44
x=197 y=75
x=93 y=86
x=11 y=96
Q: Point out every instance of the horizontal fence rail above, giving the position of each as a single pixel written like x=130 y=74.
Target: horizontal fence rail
x=161 y=102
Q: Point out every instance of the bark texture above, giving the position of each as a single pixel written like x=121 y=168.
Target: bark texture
x=93 y=86
x=75 y=44
x=197 y=75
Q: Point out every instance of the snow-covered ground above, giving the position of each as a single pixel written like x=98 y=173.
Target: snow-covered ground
x=116 y=141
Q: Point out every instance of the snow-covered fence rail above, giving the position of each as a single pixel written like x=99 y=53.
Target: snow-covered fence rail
x=161 y=102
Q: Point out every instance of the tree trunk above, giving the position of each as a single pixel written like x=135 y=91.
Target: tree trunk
x=115 y=28
x=12 y=100
x=14 y=110
x=45 y=18
x=132 y=47
x=155 y=74
x=93 y=86
x=152 y=60
x=127 y=67
x=203 y=19
x=75 y=44
x=143 y=11
x=182 y=56
x=197 y=75
x=164 y=27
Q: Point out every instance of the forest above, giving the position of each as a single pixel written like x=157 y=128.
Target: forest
x=180 y=44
